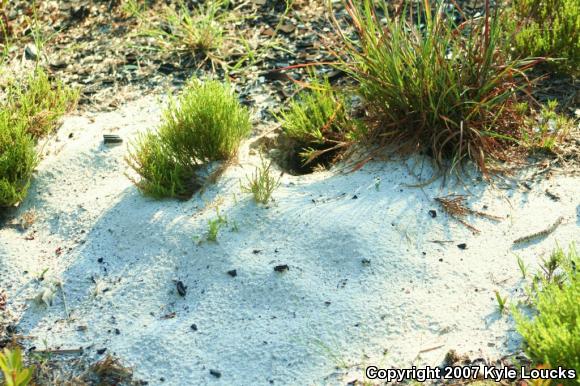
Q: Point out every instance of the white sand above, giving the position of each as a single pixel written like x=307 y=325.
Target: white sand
x=329 y=310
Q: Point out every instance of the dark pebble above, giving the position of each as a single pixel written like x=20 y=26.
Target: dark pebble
x=233 y=273
x=433 y=213
x=215 y=373
x=194 y=327
x=112 y=138
x=281 y=268
x=462 y=246
x=100 y=260
x=181 y=289
x=101 y=351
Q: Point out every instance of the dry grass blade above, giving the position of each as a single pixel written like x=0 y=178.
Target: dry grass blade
x=111 y=370
x=454 y=205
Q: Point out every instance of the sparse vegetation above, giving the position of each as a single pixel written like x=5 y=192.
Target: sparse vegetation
x=317 y=120
x=214 y=226
x=552 y=336
x=205 y=124
x=15 y=374
x=261 y=184
x=198 y=31
x=522 y=266
x=549 y=28
x=449 y=89
x=501 y=302
x=548 y=128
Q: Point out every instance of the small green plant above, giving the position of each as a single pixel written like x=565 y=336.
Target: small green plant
x=548 y=127
x=214 y=226
x=133 y=8
x=318 y=121
x=552 y=336
x=205 y=124
x=548 y=28
x=501 y=302
x=15 y=374
x=261 y=184
x=552 y=268
x=522 y=266
x=449 y=89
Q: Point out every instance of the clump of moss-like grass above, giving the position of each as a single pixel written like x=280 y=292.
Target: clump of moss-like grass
x=40 y=102
x=206 y=123
x=319 y=126
x=548 y=28
x=31 y=110
x=552 y=336
x=17 y=160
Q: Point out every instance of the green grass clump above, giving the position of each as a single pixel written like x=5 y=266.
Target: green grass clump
x=40 y=103
x=32 y=109
x=448 y=89
x=161 y=174
x=206 y=123
x=549 y=28
x=214 y=226
x=17 y=160
x=318 y=121
x=552 y=337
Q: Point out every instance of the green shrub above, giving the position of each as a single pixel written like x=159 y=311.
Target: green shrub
x=17 y=160
x=40 y=103
x=161 y=175
x=318 y=121
x=205 y=124
x=448 y=89
x=549 y=28
x=553 y=336
x=31 y=110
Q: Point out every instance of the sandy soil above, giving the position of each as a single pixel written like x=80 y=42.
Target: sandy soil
x=366 y=282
